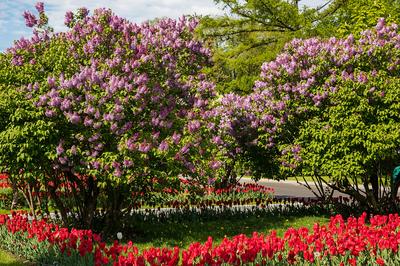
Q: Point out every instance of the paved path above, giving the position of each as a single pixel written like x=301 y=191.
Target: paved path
x=288 y=188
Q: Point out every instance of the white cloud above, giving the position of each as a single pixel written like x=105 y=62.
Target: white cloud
x=2 y=14
x=313 y=3
x=134 y=10
x=12 y=24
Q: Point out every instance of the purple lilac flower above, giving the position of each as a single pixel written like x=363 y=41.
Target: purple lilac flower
x=50 y=113
x=176 y=137
x=128 y=163
x=215 y=164
x=39 y=7
x=163 y=146
x=74 y=118
x=96 y=164
x=73 y=150
x=69 y=17
x=60 y=149
x=30 y=19
x=144 y=147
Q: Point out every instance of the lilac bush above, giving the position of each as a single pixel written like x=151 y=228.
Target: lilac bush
x=123 y=104
x=327 y=108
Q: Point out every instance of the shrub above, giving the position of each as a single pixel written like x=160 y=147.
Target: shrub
x=103 y=108
x=327 y=108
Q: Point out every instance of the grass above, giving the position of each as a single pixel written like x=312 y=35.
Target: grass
x=186 y=232
x=7 y=259
x=3 y=211
x=6 y=211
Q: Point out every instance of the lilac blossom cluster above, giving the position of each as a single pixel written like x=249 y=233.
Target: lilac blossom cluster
x=133 y=94
x=41 y=35
x=298 y=83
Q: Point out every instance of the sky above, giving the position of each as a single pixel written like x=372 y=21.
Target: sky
x=12 y=25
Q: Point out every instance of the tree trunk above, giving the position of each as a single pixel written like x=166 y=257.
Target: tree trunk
x=90 y=202
x=353 y=193
x=372 y=195
x=375 y=186
x=116 y=197
x=60 y=205
x=85 y=197
x=14 y=201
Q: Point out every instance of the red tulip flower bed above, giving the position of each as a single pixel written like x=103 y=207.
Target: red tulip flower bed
x=4 y=189
x=340 y=242
x=4 y=181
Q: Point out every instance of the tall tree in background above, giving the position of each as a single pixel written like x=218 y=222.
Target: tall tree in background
x=356 y=16
x=254 y=31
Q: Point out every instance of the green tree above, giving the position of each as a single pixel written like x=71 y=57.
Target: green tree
x=254 y=31
x=104 y=111
x=331 y=108
x=355 y=16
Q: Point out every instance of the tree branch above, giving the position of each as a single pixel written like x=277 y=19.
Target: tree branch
x=284 y=25
x=255 y=45
x=239 y=31
x=323 y=15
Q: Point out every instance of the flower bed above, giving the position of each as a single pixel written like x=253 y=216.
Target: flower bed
x=184 y=196
x=341 y=242
x=5 y=190
x=4 y=181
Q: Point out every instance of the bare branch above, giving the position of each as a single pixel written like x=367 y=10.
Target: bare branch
x=324 y=5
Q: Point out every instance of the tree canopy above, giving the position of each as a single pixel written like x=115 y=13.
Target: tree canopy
x=108 y=106
x=329 y=108
x=253 y=32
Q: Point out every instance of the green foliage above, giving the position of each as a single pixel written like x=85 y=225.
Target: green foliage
x=357 y=135
x=356 y=16
x=335 y=108
x=25 y=138
x=104 y=107
x=254 y=31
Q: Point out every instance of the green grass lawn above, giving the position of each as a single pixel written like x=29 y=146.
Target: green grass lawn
x=3 y=211
x=6 y=211
x=8 y=260
x=184 y=233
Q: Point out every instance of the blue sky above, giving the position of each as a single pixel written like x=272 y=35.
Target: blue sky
x=12 y=25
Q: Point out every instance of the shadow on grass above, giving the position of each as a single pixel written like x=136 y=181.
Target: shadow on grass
x=183 y=233
x=11 y=263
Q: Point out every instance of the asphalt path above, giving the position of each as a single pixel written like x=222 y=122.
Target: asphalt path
x=291 y=189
